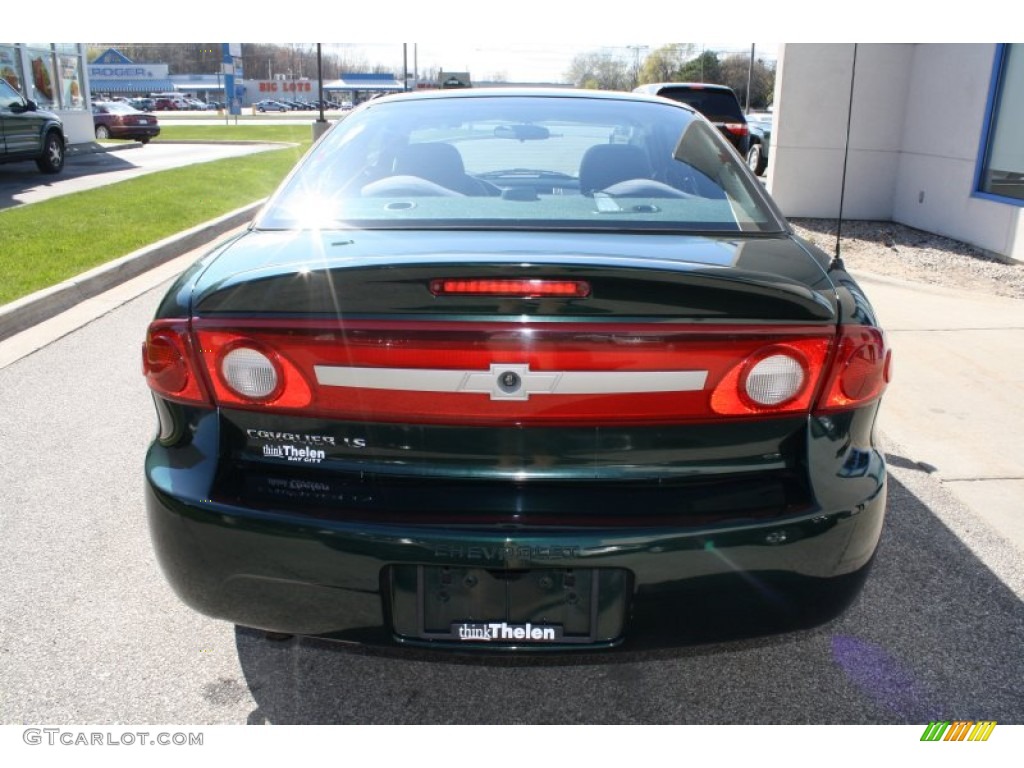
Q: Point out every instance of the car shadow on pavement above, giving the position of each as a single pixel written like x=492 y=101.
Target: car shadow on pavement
x=17 y=179
x=934 y=635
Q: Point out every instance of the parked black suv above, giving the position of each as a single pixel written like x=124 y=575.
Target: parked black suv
x=718 y=103
x=29 y=133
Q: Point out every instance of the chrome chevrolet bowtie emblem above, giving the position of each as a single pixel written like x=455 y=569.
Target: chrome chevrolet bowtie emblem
x=510 y=381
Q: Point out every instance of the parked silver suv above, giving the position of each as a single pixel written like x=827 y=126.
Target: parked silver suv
x=29 y=133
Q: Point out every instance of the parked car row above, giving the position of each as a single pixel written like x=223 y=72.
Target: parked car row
x=183 y=103
x=279 y=105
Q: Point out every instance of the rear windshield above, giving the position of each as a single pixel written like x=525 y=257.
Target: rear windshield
x=717 y=106
x=522 y=162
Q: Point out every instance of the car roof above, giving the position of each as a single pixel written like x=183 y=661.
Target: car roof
x=516 y=92
x=655 y=87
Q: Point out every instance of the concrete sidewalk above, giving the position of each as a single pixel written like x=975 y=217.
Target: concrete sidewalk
x=956 y=401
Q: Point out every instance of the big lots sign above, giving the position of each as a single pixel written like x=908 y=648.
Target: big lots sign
x=286 y=86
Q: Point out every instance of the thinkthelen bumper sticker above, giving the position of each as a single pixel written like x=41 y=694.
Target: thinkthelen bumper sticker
x=500 y=631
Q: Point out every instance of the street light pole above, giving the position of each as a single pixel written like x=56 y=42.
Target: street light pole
x=750 y=74
x=320 y=80
x=405 y=67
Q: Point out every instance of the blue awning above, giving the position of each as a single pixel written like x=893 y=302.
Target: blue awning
x=131 y=86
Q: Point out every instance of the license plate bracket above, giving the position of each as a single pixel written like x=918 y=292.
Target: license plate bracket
x=508 y=607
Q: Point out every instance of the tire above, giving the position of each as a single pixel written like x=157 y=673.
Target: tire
x=52 y=159
x=756 y=161
x=102 y=132
x=144 y=139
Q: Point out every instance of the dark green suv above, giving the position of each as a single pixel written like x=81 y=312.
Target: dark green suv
x=29 y=133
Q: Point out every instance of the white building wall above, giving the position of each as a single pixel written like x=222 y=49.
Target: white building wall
x=915 y=132
x=941 y=142
x=812 y=100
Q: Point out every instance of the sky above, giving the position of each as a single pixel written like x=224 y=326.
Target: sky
x=516 y=62
x=524 y=40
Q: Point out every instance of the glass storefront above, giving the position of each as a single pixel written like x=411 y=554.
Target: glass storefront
x=10 y=66
x=49 y=74
x=42 y=82
x=53 y=75
x=72 y=96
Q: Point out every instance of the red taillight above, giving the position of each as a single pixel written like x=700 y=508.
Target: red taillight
x=168 y=365
x=246 y=372
x=859 y=371
x=508 y=373
x=524 y=289
x=737 y=129
x=775 y=379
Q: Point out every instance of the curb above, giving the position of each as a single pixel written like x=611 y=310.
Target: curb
x=95 y=148
x=33 y=309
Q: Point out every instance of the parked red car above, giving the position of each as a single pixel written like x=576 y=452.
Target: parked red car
x=118 y=120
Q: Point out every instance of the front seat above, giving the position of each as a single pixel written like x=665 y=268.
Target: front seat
x=442 y=164
x=605 y=165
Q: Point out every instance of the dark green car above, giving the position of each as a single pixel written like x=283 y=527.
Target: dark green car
x=29 y=133
x=517 y=370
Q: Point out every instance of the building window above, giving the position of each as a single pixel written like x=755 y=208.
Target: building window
x=10 y=66
x=71 y=81
x=1001 y=171
x=42 y=83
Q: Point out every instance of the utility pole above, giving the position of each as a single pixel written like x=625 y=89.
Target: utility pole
x=750 y=75
x=636 y=61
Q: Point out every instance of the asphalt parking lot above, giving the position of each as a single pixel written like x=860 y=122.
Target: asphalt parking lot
x=92 y=634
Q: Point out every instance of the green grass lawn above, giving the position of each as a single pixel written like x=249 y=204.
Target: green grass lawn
x=48 y=242
x=301 y=134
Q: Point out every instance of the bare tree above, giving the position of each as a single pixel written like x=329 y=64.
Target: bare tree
x=664 y=64
x=733 y=72
x=599 y=71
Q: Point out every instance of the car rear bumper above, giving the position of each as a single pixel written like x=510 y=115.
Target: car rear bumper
x=373 y=583
x=135 y=132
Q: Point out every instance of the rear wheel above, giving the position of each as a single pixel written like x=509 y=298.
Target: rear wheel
x=756 y=160
x=102 y=132
x=52 y=159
